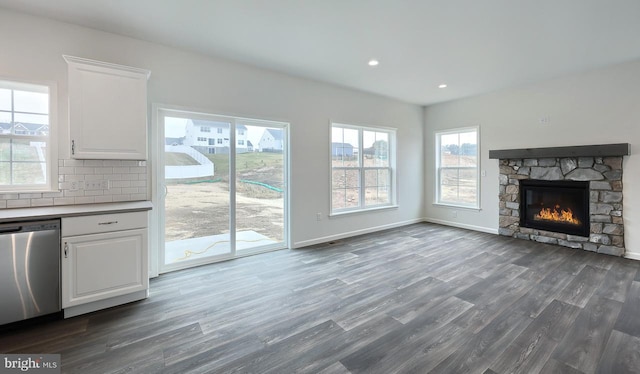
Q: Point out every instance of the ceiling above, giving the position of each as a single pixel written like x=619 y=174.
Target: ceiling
x=472 y=46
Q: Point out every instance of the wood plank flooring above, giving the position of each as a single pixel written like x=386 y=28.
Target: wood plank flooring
x=422 y=298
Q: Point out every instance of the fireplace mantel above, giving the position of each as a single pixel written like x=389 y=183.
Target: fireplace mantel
x=601 y=150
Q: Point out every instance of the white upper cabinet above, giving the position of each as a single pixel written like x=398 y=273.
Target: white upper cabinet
x=107 y=110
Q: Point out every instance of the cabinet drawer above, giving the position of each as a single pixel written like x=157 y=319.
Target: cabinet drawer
x=100 y=223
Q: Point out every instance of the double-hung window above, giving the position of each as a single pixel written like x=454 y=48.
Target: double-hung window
x=362 y=168
x=28 y=161
x=457 y=167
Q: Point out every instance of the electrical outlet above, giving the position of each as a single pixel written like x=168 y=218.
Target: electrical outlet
x=545 y=120
x=483 y=173
x=319 y=216
x=77 y=185
x=97 y=185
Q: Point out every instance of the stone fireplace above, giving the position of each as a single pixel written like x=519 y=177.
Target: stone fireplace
x=569 y=196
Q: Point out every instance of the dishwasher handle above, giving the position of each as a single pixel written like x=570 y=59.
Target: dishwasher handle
x=10 y=229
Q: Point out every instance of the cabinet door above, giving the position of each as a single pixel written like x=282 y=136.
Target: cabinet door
x=107 y=110
x=100 y=266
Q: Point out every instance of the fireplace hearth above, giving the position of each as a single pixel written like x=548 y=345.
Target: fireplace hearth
x=558 y=206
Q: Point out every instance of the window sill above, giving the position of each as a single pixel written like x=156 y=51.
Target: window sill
x=365 y=210
x=28 y=191
x=457 y=206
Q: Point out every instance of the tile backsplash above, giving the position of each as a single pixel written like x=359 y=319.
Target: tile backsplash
x=88 y=182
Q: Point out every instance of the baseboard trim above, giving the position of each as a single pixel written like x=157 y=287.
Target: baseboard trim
x=104 y=304
x=632 y=256
x=462 y=225
x=368 y=230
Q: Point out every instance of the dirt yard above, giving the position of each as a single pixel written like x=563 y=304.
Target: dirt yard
x=201 y=209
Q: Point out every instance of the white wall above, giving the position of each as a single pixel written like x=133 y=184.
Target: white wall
x=596 y=107
x=33 y=47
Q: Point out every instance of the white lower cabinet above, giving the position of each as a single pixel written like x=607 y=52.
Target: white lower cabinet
x=104 y=261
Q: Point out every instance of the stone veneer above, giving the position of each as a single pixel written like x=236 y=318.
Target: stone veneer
x=605 y=189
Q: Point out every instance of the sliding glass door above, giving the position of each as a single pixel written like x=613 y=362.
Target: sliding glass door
x=221 y=188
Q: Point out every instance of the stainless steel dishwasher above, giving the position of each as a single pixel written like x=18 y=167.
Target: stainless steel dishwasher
x=29 y=269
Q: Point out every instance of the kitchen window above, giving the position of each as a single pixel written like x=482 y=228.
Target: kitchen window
x=457 y=167
x=362 y=168
x=28 y=157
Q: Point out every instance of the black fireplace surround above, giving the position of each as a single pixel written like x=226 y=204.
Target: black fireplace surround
x=558 y=206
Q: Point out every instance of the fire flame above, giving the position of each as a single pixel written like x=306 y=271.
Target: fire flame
x=557 y=215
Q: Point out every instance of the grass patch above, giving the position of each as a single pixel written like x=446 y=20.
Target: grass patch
x=249 y=164
x=178 y=159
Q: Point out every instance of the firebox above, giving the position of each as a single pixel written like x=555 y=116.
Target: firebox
x=558 y=206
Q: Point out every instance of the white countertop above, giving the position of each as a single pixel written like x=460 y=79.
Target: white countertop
x=49 y=212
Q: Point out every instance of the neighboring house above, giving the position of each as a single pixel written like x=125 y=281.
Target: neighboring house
x=20 y=128
x=271 y=141
x=213 y=137
x=249 y=146
x=341 y=150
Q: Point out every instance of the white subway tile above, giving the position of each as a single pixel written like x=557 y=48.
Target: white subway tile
x=9 y=196
x=139 y=196
x=121 y=170
x=121 y=198
x=129 y=163
x=93 y=192
x=18 y=203
x=94 y=177
x=139 y=183
x=42 y=202
x=142 y=176
x=52 y=194
x=68 y=193
x=104 y=199
x=63 y=201
x=67 y=170
x=130 y=190
x=73 y=162
x=30 y=196
x=138 y=169
x=69 y=178
x=84 y=200
x=93 y=162
x=120 y=184
x=112 y=163
x=113 y=191
x=85 y=170
x=3 y=204
x=103 y=170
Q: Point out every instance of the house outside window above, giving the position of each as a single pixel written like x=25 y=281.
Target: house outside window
x=240 y=142
x=28 y=157
x=362 y=168
x=219 y=130
x=205 y=129
x=219 y=141
x=457 y=167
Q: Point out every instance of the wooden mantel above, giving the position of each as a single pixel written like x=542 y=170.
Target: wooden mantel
x=601 y=150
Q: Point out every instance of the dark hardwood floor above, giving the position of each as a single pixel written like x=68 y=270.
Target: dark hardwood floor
x=418 y=299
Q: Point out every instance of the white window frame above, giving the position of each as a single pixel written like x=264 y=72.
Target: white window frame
x=51 y=182
x=438 y=167
x=362 y=207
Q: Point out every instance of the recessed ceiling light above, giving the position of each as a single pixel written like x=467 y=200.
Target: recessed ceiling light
x=442 y=86
x=373 y=62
